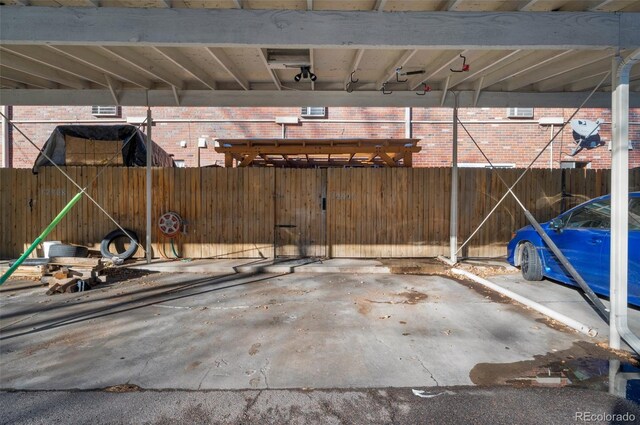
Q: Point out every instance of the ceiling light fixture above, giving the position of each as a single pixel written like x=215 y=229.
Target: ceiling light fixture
x=305 y=72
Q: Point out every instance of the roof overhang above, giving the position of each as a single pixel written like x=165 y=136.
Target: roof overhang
x=220 y=56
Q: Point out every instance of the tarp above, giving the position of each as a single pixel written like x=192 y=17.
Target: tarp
x=97 y=144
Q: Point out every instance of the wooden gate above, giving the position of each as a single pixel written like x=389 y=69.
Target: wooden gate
x=300 y=212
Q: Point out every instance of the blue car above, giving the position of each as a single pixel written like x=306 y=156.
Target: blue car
x=583 y=235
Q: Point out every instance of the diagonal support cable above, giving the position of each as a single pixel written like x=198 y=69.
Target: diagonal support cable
x=597 y=303
x=83 y=189
x=510 y=188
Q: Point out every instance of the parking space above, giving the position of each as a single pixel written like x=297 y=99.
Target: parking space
x=284 y=330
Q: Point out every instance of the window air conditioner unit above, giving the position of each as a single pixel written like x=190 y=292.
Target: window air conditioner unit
x=104 y=111
x=313 y=111
x=520 y=112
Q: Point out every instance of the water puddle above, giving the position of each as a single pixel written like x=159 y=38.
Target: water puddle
x=584 y=365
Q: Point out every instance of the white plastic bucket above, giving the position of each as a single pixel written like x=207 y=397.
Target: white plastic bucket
x=46 y=246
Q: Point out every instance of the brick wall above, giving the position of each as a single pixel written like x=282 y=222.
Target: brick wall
x=504 y=140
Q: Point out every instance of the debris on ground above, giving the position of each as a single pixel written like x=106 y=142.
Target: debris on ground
x=73 y=274
x=123 y=388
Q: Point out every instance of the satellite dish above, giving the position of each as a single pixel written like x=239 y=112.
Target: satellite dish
x=586 y=134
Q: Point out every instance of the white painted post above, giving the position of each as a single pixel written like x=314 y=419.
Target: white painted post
x=619 y=262
x=453 y=221
x=408 y=130
x=617 y=168
x=149 y=161
x=6 y=138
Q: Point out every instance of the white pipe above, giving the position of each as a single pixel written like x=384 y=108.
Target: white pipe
x=558 y=317
x=619 y=262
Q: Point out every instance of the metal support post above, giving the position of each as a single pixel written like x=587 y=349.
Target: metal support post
x=148 y=181
x=453 y=220
x=408 y=130
x=6 y=137
x=614 y=336
x=619 y=278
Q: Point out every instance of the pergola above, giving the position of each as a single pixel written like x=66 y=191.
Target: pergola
x=305 y=153
x=456 y=53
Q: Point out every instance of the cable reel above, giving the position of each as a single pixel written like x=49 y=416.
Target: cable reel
x=170 y=224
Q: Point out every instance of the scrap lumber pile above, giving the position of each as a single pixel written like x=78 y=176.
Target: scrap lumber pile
x=73 y=274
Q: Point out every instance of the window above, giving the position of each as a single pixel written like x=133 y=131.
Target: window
x=179 y=163
x=105 y=111
x=313 y=112
x=634 y=214
x=596 y=215
x=519 y=112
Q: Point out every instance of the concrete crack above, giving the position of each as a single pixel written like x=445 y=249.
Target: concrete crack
x=428 y=371
x=205 y=375
x=264 y=374
x=384 y=343
x=144 y=368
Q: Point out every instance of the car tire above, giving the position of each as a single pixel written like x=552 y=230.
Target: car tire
x=64 y=250
x=111 y=237
x=530 y=263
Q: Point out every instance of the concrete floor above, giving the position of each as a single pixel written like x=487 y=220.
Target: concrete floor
x=265 y=330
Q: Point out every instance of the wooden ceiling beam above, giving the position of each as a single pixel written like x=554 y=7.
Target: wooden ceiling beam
x=124 y=26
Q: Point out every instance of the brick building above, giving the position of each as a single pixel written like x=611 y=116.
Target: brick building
x=507 y=141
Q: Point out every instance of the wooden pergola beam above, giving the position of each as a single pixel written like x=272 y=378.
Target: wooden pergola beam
x=315 y=150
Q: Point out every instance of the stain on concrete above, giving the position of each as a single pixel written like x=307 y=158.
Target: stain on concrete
x=411 y=297
x=583 y=364
x=254 y=382
x=255 y=348
x=193 y=365
x=364 y=307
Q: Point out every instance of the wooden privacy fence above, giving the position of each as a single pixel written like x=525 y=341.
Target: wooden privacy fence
x=244 y=213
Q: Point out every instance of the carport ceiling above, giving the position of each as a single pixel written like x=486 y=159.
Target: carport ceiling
x=247 y=52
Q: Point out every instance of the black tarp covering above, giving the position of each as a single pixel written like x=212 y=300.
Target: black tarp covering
x=134 y=151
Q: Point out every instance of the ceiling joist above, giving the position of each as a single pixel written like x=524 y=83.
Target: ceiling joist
x=108 y=65
x=272 y=73
x=50 y=58
x=39 y=70
x=184 y=62
x=227 y=64
x=144 y=65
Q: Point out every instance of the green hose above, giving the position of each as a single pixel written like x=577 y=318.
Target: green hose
x=40 y=238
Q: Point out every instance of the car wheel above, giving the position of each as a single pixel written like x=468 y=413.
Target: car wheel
x=530 y=263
